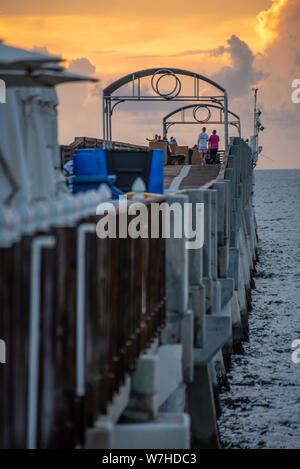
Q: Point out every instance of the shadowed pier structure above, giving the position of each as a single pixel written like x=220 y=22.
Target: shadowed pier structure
x=175 y=388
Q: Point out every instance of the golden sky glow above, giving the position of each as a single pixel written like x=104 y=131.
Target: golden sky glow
x=267 y=21
x=259 y=42
x=115 y=36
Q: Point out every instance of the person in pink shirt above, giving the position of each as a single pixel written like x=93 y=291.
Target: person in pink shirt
x=213 y=146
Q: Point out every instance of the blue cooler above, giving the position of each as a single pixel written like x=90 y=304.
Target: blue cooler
x=90 y=170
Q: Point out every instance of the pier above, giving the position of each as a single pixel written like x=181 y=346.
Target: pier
x=124 y=343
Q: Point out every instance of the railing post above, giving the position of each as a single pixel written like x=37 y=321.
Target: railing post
x=35 y=302
x=80 y=311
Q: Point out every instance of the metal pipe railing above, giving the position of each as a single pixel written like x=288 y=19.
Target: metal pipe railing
x=39 y=243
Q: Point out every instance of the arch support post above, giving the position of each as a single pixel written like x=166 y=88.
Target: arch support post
x=226 y=120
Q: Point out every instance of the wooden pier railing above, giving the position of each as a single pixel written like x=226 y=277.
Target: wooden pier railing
x=76 y=313
x=89 y=142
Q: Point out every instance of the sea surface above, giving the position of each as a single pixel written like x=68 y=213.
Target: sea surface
x=262 y=407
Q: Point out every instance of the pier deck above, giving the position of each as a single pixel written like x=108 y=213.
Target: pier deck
x=196 y=176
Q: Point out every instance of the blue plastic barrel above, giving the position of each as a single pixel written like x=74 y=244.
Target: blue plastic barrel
x=90 y=162
x=84 y=183
x=156 y=174
x=101 y=166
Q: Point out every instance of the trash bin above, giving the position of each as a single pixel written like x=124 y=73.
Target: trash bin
x=90 y=161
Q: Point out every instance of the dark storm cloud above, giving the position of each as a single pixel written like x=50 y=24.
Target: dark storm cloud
x=241 y=75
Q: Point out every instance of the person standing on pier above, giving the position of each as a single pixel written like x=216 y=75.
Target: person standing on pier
x=155 y=139
x=213 y=146
x=202 y=142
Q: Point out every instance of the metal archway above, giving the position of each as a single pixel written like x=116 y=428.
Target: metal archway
x=110 y=100
x=236 y=122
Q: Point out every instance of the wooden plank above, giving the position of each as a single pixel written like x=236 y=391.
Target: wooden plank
x=200 y=175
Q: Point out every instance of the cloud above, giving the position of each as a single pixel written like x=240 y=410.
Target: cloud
x=96 y=90
x=210 y=52
x=281 y=62
x=82 y=66
x=185 y=53
x=106 y=51
x=242 y=74
x=272 y=70
x=297 y=58
x=79 y=104
x=41 y=50
x=267 y=20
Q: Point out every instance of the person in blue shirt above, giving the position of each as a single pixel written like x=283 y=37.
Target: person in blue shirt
x=202 y=143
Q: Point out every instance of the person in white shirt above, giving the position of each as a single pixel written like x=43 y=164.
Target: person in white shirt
x=202 y=143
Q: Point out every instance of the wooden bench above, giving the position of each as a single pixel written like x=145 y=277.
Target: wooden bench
x=179 y=153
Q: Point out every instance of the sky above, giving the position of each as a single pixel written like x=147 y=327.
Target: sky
x=240 y=45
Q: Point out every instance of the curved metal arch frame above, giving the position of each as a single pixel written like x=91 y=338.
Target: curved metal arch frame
x=110 y=100
x=167 y=124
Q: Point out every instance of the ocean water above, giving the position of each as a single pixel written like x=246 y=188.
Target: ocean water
x=262 y=407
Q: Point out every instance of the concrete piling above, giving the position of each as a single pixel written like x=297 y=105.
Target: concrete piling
x=201 y=404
